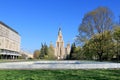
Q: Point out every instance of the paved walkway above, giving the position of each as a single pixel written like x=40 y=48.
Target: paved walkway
x=59 y=65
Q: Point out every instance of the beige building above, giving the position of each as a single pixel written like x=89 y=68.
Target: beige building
x=26 y=54
x=60 y=51
x=9 y=42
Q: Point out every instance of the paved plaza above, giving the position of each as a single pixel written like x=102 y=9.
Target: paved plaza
x=59 y=65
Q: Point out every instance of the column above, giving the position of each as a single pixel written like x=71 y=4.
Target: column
x=13 y=57
x=10 y=56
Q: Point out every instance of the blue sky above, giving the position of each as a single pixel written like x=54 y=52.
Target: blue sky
x=37 y=21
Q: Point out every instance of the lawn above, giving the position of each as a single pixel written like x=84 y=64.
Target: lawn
x=59 y=74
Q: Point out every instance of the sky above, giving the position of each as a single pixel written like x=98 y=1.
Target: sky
x=38 y=21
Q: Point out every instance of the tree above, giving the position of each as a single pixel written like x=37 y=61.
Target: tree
x=36 y=54
x=96 y=22
x=116 y=33
x=42 y=53
x=73 y=54
x=79 y=54
x=103 y=44
x=97 y=43
x=51 y=55
x=116 y=36
x=88 y=50
x=45 y=49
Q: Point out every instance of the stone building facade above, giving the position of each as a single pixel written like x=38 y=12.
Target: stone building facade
x=9 y=42
x=61 y=52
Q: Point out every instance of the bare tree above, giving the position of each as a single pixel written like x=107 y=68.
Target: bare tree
x=96 y=22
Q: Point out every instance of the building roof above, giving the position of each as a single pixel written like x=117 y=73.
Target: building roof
x=9 y=27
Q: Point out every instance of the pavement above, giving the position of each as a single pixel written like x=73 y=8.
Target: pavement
x=59 y=65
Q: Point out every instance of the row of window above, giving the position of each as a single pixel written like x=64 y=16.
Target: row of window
x=8 y=33
x=10 y=45
x=8 y=51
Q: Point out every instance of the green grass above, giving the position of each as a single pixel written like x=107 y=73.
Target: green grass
x=59 y=74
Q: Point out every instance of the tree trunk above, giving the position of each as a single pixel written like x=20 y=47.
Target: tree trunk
x=100 y=56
